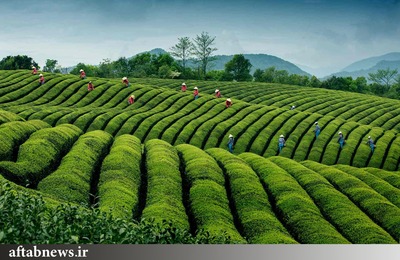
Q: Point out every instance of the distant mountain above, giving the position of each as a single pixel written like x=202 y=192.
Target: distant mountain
x=259 y=61
x=368 y=63
x=363 y=67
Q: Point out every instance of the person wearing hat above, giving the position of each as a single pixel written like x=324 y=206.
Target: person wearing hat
x=217 y=93
x=41 y=79
x=281 y=142
x=183 y=88
x=196 y=93
x=90 y=86
x=83 y=74
x=292 y=107
x=371 y=143
x=131 y=99
x=230 y=143
x=125 y=81
x=228 y=103
x=317 y=130
x=34 y=71
x=341 y=140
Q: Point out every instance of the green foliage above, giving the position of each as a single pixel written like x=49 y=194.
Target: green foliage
x=257 y=219
x=164 y=185
x=17 y=62
x=40 y=154
x=207 y=195
x=6 y=116
x=13 y=134
x=202 y=50
x=26 y=219
x=302 y=217
x=120 y=178
x=380 y=210
x=239 y=67
x=78 y=169
x=50 y=65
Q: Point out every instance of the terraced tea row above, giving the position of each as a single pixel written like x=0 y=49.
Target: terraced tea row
x=247 y=197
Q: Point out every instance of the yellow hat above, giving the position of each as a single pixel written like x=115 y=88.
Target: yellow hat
x=80 y=70
x=132 y=96
x=229 y=100
x=217 y=90
x=183 y=84
x=230 y=135
x=195 y=88
x=281 y=136
x=40 y=75
x=124 y=78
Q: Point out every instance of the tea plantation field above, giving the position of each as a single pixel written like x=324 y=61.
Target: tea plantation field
x=165 y=156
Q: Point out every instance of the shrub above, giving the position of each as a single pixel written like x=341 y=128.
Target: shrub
x=78 y=171
x=164 y=184
x=207 y=195
x=256 y=217
x=302 y=217
x=120 y=178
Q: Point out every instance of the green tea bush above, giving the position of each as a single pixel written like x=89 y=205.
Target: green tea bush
x=120 y=178
x=6 y=116
x=26 y=219
x=257 y=218
x=164 y=184
x=208 y=198
x=13 y=134
x=382 y=211
x=40 y=154
x=302 y=217
x=78 y=169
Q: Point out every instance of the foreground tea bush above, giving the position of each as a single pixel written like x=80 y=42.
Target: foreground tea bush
x=40 y=154
x=207 y=194
x=13 y=134
x=73 y=179
x=120 y=178
x=298 y=210
x=25 y=219
x=257 y=219
x=164 y=184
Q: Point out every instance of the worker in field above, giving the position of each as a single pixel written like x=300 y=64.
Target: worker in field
x=90 y=86
x=341 y=140
x=196 y=93
x=183 y=87
x=281 y=142
x=317 y=130
x=230 y=143
x=228 y=103
x=292 y=107
x=83 y=74
x=34 y=70
x=371 y=144
x=131 y=99
x=41 y=79
x=218 y=93
x=126 y=81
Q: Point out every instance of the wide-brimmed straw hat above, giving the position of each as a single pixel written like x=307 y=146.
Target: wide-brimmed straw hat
x=40 y=75
x=281 y=136
x=195 y=88
x=217 y=90
x=230 y=135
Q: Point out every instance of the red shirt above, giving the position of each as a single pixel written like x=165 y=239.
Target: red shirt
x=83 y=74
x=183 y=88
x=34 y=71
x=218 y=94
x=131 y=100
x=228 y=104
x=90 y=86
x=41 y=79
x=125 y=81
x=196 y=92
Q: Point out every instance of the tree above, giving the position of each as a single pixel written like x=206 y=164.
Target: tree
x=50 y=65
x=90 y=70
x=383 y=77
x=17 y=62
x=239 y=67
x=182 y=50
x=202 y=49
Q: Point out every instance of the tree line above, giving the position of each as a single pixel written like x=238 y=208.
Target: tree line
x=198 y=52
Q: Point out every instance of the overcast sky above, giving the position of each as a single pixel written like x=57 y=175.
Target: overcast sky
x=321 y=34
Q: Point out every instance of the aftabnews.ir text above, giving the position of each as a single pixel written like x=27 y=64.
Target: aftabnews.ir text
x=22 y=252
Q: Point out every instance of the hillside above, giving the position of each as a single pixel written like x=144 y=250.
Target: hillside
x=259 y=61
x=165 y=156
x=371 y=65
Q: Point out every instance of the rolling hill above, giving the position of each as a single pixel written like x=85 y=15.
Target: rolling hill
x=165 y=156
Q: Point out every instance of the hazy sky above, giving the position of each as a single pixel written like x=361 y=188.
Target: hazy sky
x=323 y=34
